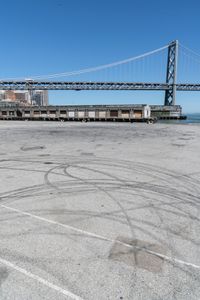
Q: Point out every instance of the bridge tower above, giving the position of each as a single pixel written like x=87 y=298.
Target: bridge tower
x=170 y=95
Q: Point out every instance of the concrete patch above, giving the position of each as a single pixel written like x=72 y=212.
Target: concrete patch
x=138 y=256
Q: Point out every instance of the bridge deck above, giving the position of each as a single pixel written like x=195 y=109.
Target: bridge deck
x=72 y=85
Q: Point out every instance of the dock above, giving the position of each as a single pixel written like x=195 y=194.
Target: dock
x=119 y=113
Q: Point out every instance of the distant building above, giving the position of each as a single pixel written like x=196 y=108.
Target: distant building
x=10 y=95
x=2 y=95
x=40 y=98
x=22 y=97
x=37 y=97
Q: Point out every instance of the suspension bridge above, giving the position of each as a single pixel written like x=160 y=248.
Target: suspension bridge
x=170 y=85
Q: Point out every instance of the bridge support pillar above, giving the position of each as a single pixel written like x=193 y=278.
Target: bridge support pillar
x=170 y=94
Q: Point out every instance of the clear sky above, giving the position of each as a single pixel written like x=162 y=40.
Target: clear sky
x=52 y=36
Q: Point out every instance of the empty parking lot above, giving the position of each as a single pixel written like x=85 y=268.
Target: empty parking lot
x=99 y=211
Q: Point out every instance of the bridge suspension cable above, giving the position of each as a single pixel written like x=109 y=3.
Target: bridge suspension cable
x=189 y=65
x=147 y=67
x=190 y=50
x=92 y=69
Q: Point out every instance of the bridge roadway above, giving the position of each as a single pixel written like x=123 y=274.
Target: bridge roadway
x=78 y=86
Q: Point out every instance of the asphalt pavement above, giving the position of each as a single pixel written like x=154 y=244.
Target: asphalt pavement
x=99 y=211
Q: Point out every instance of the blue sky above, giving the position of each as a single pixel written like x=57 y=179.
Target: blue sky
x=52 y=36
